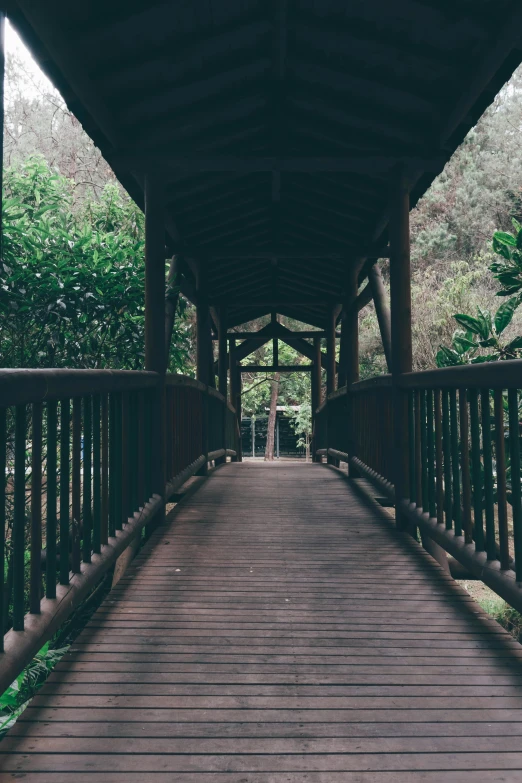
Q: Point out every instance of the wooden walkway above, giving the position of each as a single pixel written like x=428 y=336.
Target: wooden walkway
x=278 y=630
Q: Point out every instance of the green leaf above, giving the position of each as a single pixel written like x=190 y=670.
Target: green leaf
x=469 y=322
x=505 y=313
x=514 y=344
x=447 y=358
x=505 y=238
x=489 y=343
x=491 y=357
x=501 y=249
x=462 y=344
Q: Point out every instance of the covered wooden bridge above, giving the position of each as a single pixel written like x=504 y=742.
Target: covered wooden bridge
x=279 y=624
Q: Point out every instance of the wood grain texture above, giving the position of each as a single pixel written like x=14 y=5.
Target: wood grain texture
x=278 y=629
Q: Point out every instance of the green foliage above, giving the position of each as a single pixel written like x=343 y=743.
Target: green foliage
x=301 y=421
x=483 y=331
x=15 y=699
x=508 y=269
x=72 y=283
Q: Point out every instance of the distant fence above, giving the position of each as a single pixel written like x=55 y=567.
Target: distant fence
x=254 y=432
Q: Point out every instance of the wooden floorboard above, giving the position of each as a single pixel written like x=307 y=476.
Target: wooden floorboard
x=279 y=630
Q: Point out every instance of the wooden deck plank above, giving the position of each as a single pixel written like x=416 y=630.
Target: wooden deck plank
x=276 y=630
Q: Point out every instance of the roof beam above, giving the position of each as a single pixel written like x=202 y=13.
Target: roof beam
x=276 y=368
x=362 y=164
x=376 y=250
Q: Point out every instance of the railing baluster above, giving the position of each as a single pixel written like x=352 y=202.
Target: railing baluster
x=503 y=538
x=411 y=435
x=424 y=452
x=96 y=474
x=104 y=522
x=431 y=454
x=418 y=451
x=464 y=457
x=76 y=485
x=455 y=454
x=35 y=582
x=51 y=498
x=141 y=450
x=64 y=490
x=488 y=476
x=148 y=445
x=87 y=479
x=3 y=467
x=125 y=461
x=18 y=535
x=118 y=506
x=476 y=470
x=446 y=449
x=112 y=465
x=516 y=495
x=438 y=457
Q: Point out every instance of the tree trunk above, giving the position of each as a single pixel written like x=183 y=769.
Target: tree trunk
x=270 y=433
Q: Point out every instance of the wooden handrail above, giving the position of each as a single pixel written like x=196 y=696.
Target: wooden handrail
x=486 y=375
x=18 y=387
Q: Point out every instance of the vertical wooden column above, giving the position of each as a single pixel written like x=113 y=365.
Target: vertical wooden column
x=233 y=376
x=330 y=352
x=239 y=410
x=316 y=386
x=203 y=337
x=222 y=352
x=341 y=376
x=400 y=300
x=350 y=330
x=222 y=371
x=155 y=354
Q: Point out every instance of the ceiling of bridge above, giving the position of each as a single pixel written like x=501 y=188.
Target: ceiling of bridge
x=278 y=125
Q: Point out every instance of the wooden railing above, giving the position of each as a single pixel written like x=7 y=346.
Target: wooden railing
x=464 y=481
x=81 y=460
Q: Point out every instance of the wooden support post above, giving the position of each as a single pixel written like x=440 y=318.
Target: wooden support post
x=238 y=411
x=382 y=311
x=202 y=339
x=331 y=365
x=400 y=300
x=155 y=353
x=401 y=355
x=330 y=353
x=222 y=370
x=222 y=352
x=275 y=341
x=316 y=386
x=233 y=376
x=349 y=351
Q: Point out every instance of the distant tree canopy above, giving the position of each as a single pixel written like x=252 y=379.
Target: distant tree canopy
x=452 y=227
x=72 y=281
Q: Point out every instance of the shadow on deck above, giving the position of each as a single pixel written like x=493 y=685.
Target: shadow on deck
x=279 y=629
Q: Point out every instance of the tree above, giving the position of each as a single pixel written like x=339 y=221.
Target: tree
x=270 y=434
x=72 y=282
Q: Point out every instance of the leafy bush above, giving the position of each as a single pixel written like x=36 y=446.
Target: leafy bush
x=72 y=285
x=484 y=331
